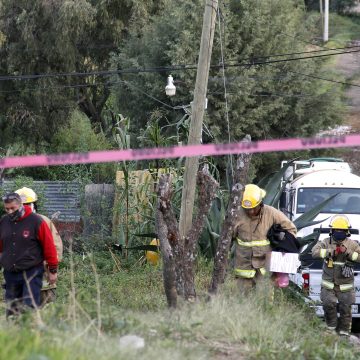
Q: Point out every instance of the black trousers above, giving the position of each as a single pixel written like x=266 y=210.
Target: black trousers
x=22 y=289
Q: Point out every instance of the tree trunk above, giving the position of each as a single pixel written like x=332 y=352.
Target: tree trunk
x=173 y=236
x=207 y=191
x=168 y=261
x=231 y=217
x=179 y=261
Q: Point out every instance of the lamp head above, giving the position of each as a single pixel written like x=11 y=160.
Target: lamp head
x=170 y=88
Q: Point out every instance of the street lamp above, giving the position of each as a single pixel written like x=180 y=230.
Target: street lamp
x=170 y=88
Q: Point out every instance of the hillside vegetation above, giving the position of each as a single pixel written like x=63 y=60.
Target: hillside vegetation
x=95 y=309
x=103 y=297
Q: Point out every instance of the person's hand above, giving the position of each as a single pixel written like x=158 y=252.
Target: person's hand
x=341 y=249
x=52 y=277
x=347 y=271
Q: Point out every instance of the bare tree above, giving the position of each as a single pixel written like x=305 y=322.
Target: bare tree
x=231 y=217
x=169 y=236
x=168 y=261
x=207 y=191
x=179 y=259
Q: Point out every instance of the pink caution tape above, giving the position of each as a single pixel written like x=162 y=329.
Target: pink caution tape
x=181 y=151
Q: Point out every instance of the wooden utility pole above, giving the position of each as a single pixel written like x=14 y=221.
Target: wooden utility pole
x=197 y=114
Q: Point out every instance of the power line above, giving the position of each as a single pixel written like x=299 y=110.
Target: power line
x=109 y=84
x=225 y=90
x=97 y=85
x=165 y=68
x=323 y=79
x=87 y=47
x=224 y=76
x=306 y=52
x=148 y=95
x=287 y=60
x=272 y=94
x=74 y=86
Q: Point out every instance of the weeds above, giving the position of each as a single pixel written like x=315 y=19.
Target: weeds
x=107 y=303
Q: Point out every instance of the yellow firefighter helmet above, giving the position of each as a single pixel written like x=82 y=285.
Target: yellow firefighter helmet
x=153 y=256
x=252 y=197
x=27 y=195
x=340 y=222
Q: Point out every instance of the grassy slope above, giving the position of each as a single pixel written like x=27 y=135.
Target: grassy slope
x=133 y=302
x=343 y=29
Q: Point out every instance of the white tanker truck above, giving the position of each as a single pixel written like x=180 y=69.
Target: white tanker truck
x=307 y=184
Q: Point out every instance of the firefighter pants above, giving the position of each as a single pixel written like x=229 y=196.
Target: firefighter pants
x=261 y=284
x=330 y=298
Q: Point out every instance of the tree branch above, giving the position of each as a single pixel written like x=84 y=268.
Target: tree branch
x=207 y=187
x=231 y=217
x=168 y=261
x=173 y=236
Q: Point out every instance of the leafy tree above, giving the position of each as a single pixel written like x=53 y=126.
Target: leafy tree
x=79 y=136
x=266 y=101
x=339 y=6
x=59 y=36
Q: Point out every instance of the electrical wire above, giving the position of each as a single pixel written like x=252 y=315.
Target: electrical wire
x=146 y=94
x=108 y=84
x=252 y=62
x=87 y=47
x=323 y=79
x=184 y=107
x=225 y=92
x=306 y=52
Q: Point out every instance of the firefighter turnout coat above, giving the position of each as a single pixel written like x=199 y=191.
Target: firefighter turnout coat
x=332 y=269
x=251 y=240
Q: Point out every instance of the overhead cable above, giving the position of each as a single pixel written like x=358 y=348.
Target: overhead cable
x=253 y=62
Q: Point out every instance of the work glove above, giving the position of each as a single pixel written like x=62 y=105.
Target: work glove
x=347 y=271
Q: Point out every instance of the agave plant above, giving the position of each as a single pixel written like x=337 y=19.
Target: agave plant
x=211 y=233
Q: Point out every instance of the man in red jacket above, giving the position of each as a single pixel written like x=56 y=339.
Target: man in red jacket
x=25 y=242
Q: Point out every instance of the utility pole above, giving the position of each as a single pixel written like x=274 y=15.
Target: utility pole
x=326 y=22
x=321 y=15
x=197 y=115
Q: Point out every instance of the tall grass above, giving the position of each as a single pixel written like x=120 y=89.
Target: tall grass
x=108 y=304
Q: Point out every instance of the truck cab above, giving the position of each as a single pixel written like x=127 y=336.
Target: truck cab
x=305 y=184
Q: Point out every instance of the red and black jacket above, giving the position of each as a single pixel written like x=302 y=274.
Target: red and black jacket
x=26 y=242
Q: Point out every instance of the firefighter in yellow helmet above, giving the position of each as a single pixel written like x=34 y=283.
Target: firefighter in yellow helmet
x=337 y=286
x=250 y=232
x=153 y=257
x=29 y=197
